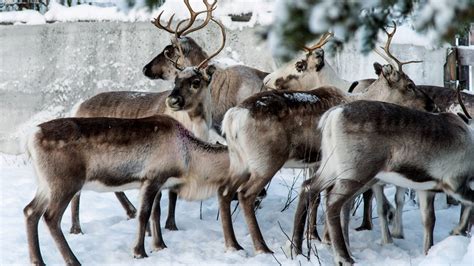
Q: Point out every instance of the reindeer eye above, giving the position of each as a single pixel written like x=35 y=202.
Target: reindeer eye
x=301 y=65
x=195 y=83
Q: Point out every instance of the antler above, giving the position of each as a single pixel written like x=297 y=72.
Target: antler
x=462 y=104
x=193 y=15
x=203 y=63
x=387 y=49
x=322 y=41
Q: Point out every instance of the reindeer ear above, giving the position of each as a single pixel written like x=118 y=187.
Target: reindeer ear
x=378 y=68
x=210 y=69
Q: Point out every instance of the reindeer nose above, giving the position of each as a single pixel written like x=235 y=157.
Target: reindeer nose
x=175 y=102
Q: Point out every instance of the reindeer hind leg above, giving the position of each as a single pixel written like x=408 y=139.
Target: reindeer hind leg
x=33 y=212
x=53 y=216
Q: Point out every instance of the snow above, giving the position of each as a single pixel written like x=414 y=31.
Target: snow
x=108 y=236
x=262 y=13
x=57 y=12
x=29 y=17
x=301 y=97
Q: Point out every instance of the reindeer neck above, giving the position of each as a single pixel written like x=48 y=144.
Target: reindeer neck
x=373 y=92
x=327 y=76
x=210 y=161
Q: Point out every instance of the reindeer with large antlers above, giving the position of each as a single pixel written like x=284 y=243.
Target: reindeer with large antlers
x=189 y=102
x=311 y=71
x=382 y=204
x=229 y=86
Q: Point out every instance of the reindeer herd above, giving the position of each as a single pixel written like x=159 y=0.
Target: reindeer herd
x=356 y=136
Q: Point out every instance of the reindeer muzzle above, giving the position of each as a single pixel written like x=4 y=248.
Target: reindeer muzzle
x=176 y=103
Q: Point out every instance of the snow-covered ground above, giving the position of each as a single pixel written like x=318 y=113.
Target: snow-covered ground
x=109 y=236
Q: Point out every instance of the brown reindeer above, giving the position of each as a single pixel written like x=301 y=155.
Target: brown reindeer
x=114 y=154
x=271 y=129
x=189 y=103
x=363 y=142
x=310 y=72
x=229 y=86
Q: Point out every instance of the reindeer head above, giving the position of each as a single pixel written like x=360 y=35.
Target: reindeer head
x=192 y=83
x=301 y=73
x=396 y=87
x=183 y=50
x=162 y=67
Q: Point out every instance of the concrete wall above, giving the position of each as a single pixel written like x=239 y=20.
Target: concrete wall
x=47 y=69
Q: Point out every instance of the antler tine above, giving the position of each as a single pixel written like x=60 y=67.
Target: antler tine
x=203 y=63
x=387 y=49
x=193 y=15
x=209 y=9
x=462 y=104
x=167 y=28
x=322 y=41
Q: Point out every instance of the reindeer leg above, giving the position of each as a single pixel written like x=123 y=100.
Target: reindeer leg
x=158 y=243
x=382 y=212
x=367 y=217
x=247 y=202
x=33 y=212
x=427 y=216
x=148 y=193
x=52 y=217
x=75 y=223
x=345 y=218
x=312 y=227
x=226 y=220
x=467 y=214
x=170 y=221
x=126 y=204
x=342 y=191
x=300 y=217
x=397 y=230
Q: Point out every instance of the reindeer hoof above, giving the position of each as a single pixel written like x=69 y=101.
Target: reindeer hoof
x=234 y=247
x=132 y=214
x=263 y=250
x=171 y=225
x=76 y=230
x=364 y=227
x=139 y=254
x=398 y=235
x=457 y=232
x=344 y=261
x=158 y=247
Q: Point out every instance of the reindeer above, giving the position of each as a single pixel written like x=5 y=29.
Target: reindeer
x=274 y=128
x=311 y=71
x=446 y=100
x=114 y=154
x=364 y=142
x=229 y=86
x=189 y=103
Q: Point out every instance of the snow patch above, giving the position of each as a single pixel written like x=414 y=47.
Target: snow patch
x=28 y=17
x=301 y=97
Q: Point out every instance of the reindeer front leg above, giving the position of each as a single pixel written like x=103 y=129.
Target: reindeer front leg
x=126 y=204
x=397 y=230
x=148 y=193
x=158 y=243
x=226 y=219
x=306 y=201
x=427 y=216
x=382 y=212
x=171 y=221
x=367 y=216
x=467 y=214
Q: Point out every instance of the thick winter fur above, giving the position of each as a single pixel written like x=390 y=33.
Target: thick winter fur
x=189 y=104
x=363 y=142
x=309 y=72
x=273 y=128
x=229 y=86
x=111 y=154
